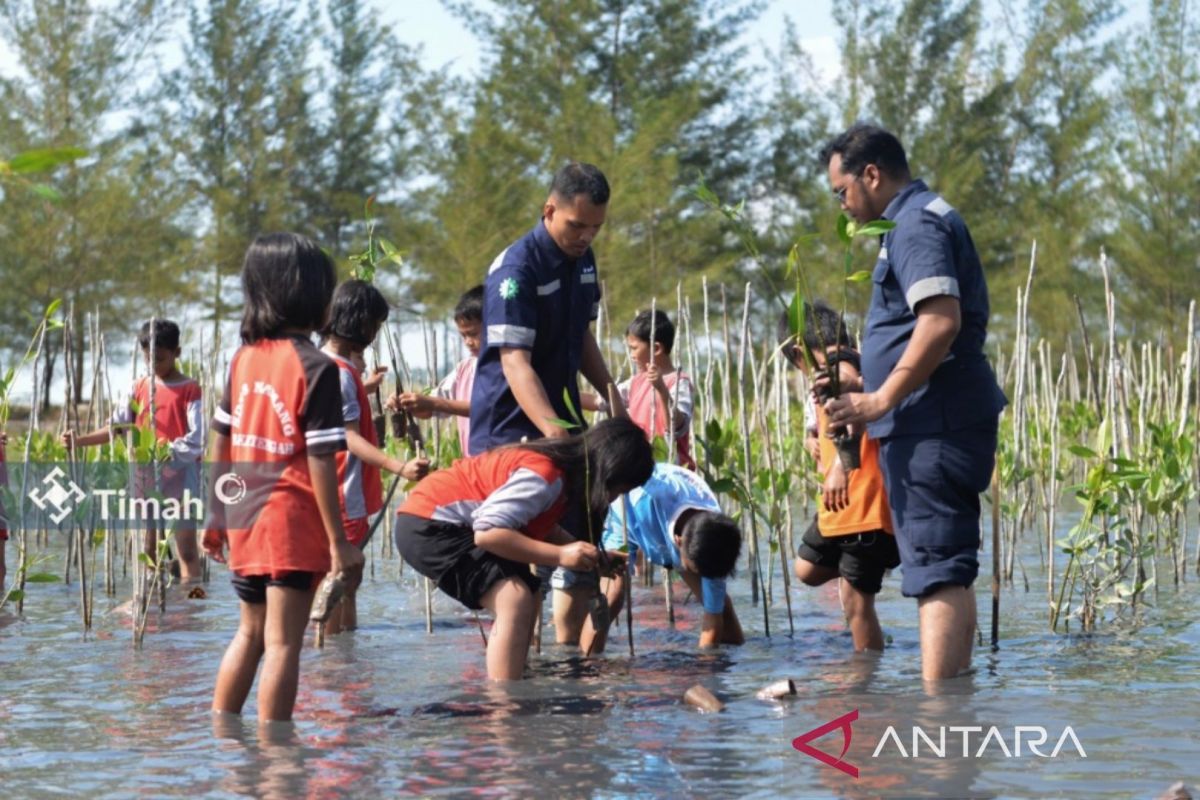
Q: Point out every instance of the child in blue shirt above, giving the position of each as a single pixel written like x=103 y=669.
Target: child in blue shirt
x=676 y=521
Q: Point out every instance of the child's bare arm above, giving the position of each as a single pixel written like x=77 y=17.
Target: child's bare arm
x=90 y=439
x=516 y=546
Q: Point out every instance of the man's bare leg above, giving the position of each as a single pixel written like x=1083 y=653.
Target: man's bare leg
x=947 y=622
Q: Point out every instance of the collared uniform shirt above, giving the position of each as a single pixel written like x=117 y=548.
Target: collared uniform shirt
x=536 y=299
x=929 y=254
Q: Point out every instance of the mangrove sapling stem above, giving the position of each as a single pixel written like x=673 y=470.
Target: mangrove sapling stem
x=428 y=584
x=35 y=404
x=995 y=558
x=747 y=464
x=784 y=559
x=727 y=370
x=654 y=393
x=667 y=595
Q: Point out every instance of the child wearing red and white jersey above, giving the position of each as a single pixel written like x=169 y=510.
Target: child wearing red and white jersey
x=178 y=422
x=475 y=528
x=277 y=431
x=357 y=313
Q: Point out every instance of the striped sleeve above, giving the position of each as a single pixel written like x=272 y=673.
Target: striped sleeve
x=321 y=417
x=524 y=496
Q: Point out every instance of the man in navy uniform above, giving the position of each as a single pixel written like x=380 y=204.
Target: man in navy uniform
x=540 y=297
x=928 y=394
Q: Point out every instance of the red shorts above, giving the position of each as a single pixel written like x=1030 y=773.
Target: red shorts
x=356 y=530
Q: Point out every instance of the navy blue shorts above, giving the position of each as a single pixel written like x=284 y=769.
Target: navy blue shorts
x=933 y=484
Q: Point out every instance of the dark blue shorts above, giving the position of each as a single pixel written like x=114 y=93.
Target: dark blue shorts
x=933 y=484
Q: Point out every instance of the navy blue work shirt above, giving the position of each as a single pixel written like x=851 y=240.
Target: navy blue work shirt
x=929 y=254
x=535 y=298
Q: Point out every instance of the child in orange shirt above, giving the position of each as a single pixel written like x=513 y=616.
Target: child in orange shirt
x=274 y=499
x=852 y=536
x=357 y=314
x=178 y=421
x=476 y=527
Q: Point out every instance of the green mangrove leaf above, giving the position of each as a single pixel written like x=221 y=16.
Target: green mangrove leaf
x=46 y=192
x=844 y=228
x=41 y=577
x=874 y=228
x=861 y=276
x=1083 y=452
x=43 y=159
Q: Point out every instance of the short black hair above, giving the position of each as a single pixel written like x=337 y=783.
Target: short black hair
x=357 y=312
x=577 y=178
x=166 y=335
x=287 y=282
x=712 y=541
x=470 y=305
x=823 y=328
x=664 y=330
x=862 y=144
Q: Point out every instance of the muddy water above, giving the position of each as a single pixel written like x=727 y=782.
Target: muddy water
x=392 y=711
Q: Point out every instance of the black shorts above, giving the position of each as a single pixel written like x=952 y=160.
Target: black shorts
x=446 y=554
x=253 y=588
x=860 y=558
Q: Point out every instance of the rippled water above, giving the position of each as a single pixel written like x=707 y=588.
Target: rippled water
x=391 y=711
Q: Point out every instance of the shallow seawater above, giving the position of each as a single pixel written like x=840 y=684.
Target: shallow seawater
x=393 y=711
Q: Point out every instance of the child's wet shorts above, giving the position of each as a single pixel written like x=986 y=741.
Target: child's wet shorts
x=860 y=558
x=446 y=554
x=933 y=483
x=253 y=588
x=563 y=579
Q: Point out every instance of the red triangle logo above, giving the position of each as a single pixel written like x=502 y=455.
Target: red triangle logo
x=843 y=723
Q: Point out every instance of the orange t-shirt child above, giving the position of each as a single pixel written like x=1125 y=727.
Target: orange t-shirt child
x=178 y=422
x=508 y=487
x=857 y=540
x=360 y=486
x=282 y=404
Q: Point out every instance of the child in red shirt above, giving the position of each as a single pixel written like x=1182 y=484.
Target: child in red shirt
x=178 y=422
x=274 y=499
x=476 y=527
x=658 y=395
x=357 y=314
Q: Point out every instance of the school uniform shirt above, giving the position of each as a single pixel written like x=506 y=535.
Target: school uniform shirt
x=640 y=396
x=653 y=509
x=535 y=299
x=178 y=414
x=868 y=508
x=360 y=486
x=282 y=404
x=505 y=488
x=929 y=254
x=457 y=385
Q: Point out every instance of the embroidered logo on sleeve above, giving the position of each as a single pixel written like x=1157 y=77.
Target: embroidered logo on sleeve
x=508 y=289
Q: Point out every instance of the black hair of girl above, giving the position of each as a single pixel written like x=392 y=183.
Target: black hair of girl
x=357 y=312
x=287 y=282
x=617 y=458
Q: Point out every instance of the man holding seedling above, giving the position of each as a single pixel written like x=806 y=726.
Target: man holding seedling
x=928 y=394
